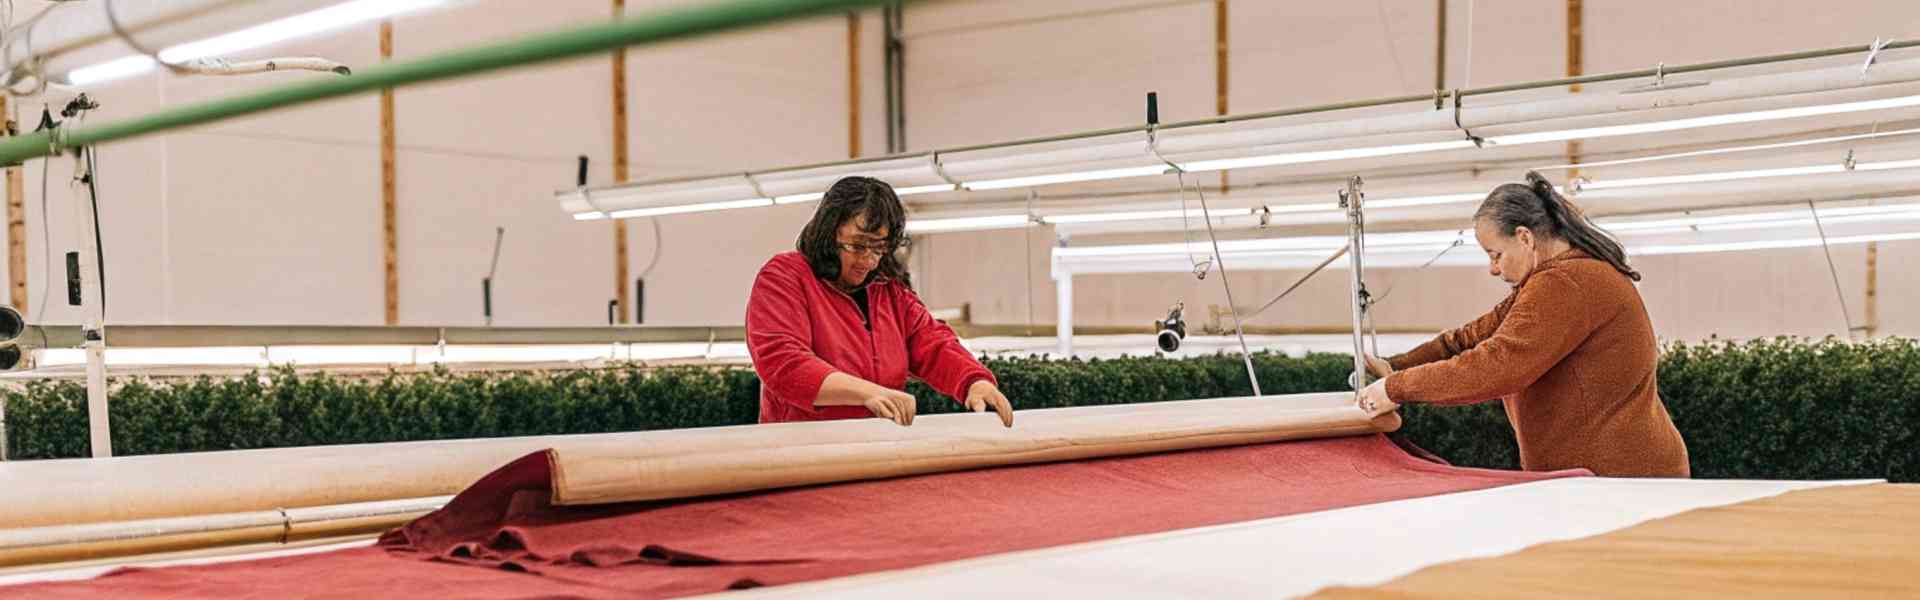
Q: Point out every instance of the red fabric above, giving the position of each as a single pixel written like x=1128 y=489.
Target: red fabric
x=800 y=329
x=500 y=538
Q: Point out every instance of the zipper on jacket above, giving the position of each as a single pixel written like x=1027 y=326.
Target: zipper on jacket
x=873 y=347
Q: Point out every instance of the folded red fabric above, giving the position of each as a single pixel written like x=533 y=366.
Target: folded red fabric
x=502 y=538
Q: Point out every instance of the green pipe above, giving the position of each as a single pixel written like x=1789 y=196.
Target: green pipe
x=545 y=47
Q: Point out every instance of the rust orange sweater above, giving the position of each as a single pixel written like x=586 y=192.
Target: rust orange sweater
x=1571 y=355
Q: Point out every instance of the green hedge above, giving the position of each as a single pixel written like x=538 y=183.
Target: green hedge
x=285 y=408
x=1780 y=408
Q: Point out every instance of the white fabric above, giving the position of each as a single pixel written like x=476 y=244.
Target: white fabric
x=1280 y=557
x=1296 y=555
x=92 y=571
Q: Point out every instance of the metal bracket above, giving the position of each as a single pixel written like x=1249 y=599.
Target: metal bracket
x=1873 y=54
x=586 y=195
x=755 y=184
x=1153 y=147
x=1478 y=142
x=933 y=158
x=1660 y=82
x=1576 y=184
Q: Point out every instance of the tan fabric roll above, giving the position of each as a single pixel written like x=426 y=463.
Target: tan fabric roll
x=731 y=460
x=59 y=543
x=650 y=464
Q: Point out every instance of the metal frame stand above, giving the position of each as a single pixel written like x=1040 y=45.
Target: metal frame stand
x=1351 y=200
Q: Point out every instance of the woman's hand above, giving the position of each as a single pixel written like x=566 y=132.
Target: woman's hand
x=1374 y=399
x=1379 y=367
x=891 y=404
x=982 y=394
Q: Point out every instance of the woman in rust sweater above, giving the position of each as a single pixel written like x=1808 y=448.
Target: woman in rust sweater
x=1570 y=353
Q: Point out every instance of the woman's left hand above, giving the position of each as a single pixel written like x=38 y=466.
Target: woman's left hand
x=1374 y=399
x=983 y=394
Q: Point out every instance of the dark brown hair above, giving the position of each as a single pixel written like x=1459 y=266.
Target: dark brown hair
x=848 y=199
x=1536 y=206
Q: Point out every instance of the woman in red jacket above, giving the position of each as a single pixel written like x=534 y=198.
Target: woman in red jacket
x=834 y=327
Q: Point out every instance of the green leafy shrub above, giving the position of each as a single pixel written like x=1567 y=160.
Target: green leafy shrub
x=1776 y=409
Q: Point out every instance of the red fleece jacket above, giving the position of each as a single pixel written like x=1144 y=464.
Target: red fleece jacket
x=801 y=329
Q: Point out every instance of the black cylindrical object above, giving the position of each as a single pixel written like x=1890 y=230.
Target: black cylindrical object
x=11 y=324
x=581 y=179
x=73 y=279
x=1172 y=331
x=639 y=301
x=486 y=298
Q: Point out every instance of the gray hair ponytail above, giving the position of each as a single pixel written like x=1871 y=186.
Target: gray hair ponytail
x=1538 y=207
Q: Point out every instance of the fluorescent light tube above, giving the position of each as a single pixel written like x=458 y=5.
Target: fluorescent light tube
x=1807 y=221
x=1604 y=184
x=1301 y=208
x=1770 y=244
x=272 y=32
x=1707 y=121
x=1882 y=166
x=905 y=191
x=998 y=184
x=297 y=26
x=1424 y=200
x=1145 y=215
x=798 y=198
x=923 y=189
x=107 y=71
x=1320 y=155
x=968 y=223
x=690 y=208
x=589 y=216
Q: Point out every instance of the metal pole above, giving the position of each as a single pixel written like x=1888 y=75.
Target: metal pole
x=1063 y=323
x=539 y=48
x=1238 y=331
x=486 y=285
x=897 y=51
x=93 y=330
x=1350 y=199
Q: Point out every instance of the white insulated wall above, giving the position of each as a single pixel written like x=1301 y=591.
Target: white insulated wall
x=275 y=219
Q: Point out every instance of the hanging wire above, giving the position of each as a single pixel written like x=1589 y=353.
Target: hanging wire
x=46 y=249
x=92 y=180
x=654 y=260
x=1299 y=282
x=1459 y=240
x=1200 y=267
x=1831 y=269
x=1246 y=356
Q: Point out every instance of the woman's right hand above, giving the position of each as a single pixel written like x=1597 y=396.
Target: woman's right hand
x=1379 y=367
x=890 y=404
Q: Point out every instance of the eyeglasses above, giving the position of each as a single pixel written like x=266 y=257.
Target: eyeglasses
x=878 y=248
